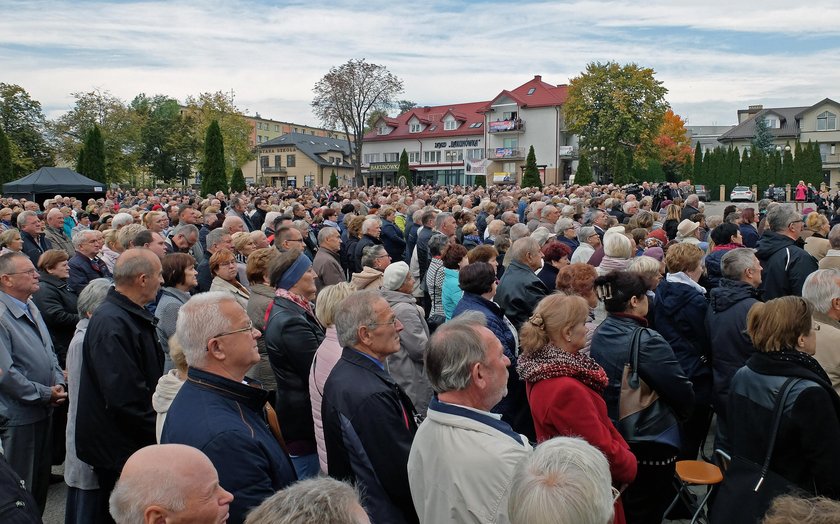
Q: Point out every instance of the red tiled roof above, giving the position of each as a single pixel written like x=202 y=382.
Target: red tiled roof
x=544 y=95
x=467 y=114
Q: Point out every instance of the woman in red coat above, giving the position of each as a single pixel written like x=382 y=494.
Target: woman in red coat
x=564 y=386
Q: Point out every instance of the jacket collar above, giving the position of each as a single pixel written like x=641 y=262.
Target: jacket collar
x=482 y=302
x=253 y=397
x=354 y=357
x=117 y=298
x=485 y=419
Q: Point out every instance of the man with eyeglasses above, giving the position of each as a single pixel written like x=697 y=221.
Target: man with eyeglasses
x=31 y=383
x=785 y=265
x=121 y=363
x=369 y=421
x=218 y=411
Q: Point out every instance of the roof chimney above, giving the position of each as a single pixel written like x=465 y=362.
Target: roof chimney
x=538 y=78
x=756 y=108
x=426 y=109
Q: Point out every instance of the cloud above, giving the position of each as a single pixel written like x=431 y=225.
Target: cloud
x=714 y=57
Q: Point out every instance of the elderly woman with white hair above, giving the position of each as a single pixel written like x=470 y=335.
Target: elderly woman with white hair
x=618 y=249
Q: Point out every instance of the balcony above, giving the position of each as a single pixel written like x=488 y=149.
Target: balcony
x=269 y=170
x=515 y=125
x=508 y=153
x=828 y=160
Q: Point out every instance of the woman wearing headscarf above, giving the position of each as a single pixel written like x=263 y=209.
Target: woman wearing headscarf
x=292 y=335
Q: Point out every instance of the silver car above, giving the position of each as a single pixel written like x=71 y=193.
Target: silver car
x=741 y=194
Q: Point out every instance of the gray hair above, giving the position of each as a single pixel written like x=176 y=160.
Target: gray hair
x=584 y=233
x=591 y=215
x=7 y=264
x=440 y=219
x=185 y=230
x=522 y=247
x=821 y=287
x=518 y=231
x=546 y=210
x=230 y=221
x=617 y=245
x=563 y=224
x=630 y=204
x=779 y=218
x=645 y=266
x=320 y=499
x=834 y=237
x=132 y=495
x=121 y=219
x=126 y=234
x=371 y=253
x=327 y=233
x=369 y=223
x=199 y=320
x=452 y=351
x=92 y=296
x=565 y=479
x=215 y=236
x=354 y=312
x=736 y=261
x=24 y=216
x=692 y=200
x=437 y=243
x=81 y=237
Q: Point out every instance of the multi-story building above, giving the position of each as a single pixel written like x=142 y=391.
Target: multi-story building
x=265 y=129
x=706 y=136
x=299 y=160
x=817 y=123
x=451 y=144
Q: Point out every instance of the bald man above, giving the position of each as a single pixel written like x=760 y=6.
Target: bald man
x=55 y=232
x=169 y=483
x=121 y=363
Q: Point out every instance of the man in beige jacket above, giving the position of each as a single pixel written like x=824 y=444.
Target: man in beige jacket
x=822 y=289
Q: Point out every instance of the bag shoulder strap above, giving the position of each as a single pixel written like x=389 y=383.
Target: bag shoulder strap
x=635 y=343
x=781 y=400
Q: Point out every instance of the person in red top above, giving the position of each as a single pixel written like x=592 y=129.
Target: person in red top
x=564 y=386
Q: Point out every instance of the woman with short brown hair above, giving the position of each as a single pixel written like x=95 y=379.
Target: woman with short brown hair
x=55 y=300
x=223 y=267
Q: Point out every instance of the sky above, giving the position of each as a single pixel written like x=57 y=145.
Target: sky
x=713 y=56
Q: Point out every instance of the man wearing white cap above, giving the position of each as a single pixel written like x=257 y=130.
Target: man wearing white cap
x=406 y=366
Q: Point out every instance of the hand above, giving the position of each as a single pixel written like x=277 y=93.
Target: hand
x=57 y=395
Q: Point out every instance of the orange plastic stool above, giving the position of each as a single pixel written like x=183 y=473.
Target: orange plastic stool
x=695 y=473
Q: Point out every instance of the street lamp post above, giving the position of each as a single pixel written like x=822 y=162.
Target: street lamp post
x=598 y=162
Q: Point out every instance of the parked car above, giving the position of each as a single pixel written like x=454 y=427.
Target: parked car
x=741 y=194
x=701 y=193
x=775 y=193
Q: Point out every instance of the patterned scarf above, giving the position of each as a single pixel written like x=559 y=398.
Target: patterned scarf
x=551 y=362
x=297 y=299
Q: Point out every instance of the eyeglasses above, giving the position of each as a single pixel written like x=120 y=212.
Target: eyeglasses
x=815 y=327
x=391 y=322
x=294 y=240
x=235 y=331
x=796 y=222
x=384 y=256
x=32 y=271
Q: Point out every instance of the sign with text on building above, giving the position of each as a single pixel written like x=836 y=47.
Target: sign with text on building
x=565 y=150
x=502 y=125
x=457 y=143
x=476 y=167
x=378 y=167
x=279 y=150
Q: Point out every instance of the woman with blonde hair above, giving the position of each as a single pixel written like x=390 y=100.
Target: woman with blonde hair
x=224 y=269
x=673 y=214
x=326 y=356
x=564 y=386
x=11 y=241
x=816 y=239
x=156 y=221
x=112 y=249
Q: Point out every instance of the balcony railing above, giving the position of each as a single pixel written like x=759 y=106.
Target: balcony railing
x=830 y=159
x=506 y=126
x=505 y=152
x=273 y=169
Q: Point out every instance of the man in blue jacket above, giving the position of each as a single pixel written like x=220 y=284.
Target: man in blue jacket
x=217 y=412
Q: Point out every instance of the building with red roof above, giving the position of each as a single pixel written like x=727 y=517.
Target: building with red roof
x=450 y=144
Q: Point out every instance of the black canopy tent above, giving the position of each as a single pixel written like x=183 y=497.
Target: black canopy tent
x=50 y=181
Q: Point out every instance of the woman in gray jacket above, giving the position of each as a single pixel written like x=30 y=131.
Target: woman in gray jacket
x=406 y=366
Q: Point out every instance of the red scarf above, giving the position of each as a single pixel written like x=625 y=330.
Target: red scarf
x=550 y=361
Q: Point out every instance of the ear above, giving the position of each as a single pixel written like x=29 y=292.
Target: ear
x=214 y=347
x=477 y=375
x=800 y=341
x=154 y=515
x=835 y=303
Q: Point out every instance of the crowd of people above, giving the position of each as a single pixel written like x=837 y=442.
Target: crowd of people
x=400 y=355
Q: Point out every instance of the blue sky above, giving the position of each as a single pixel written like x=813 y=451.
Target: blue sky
x=714 y=56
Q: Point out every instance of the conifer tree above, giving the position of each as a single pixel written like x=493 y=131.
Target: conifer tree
x=333 y=180
x=787 y=168
x=531 y=176
x=699 y=176
x=237 y=181
x=213 y=169
x=94 y=155
x=6 y=165
x=583 y=175
x=403 y=173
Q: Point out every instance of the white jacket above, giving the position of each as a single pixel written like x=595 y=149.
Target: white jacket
x=461 y=466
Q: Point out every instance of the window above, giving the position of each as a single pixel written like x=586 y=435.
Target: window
x=531 y=91
x=449 y=125
x=276 y=128
x=414 y=128
x=382 y=130
x=475 y=125
x=392 y=157
x=276 y=160
x=512 y=143
x=475 y=154
x=772 y=122
x=509 y=115
x=414 y=157
x=290 y=160
x=432 y=128
x=455 y=155
x=371 y=157
x=431 y=157
x=826 y=121
x=264 y=161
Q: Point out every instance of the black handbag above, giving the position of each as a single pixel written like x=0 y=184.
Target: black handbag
x=748 y=488
x=642 y=416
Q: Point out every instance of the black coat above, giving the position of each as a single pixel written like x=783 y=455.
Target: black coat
x=411 y=230
x=726 y=325
x=368 y=430
x=291 y=338
x=34 y=248
x=392 y=239
x=83 y=270
x=57 y=305
x=423 y=259
x=359 y=248
x=519 y=292
x=658 y=366
x=121 y=364
x=548 y=276
x=784 y=266
x=806 y=451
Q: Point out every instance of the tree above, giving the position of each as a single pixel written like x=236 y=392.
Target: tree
x=213 y=168
x=699 y=176
x=237 y=181
x=24 y=125
x=167 y=150
x=673 y=147
x=405 y=105
x=404 y=173
x=220 y=106
x=347 y=94
x=333 y=180
x=93 y=158
x=7 y=172
x=531 y=175
x=762 y=139
x=583 y=175
x=480 y=181
x=619 y=107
